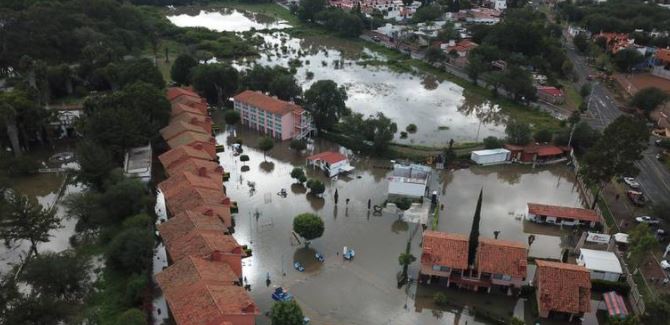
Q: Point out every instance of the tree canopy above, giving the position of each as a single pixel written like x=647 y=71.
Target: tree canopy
x=326 y=101
x=648 y=99
x=518 y=132
x=23 y=219
x=308 y=226
x=286 y=313
x=181 y=69
x=216 y=82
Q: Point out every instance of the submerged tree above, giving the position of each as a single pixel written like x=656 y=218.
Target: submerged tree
x=308 y=226
x=286 y=313
x=25 y=220
x=474 y=231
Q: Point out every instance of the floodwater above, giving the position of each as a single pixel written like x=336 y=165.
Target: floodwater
x=364 y=291
x=228 y=20
x=48 y=190
x=507 y=190
x=441 y=109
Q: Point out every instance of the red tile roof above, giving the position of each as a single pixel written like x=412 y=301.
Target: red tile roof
x=563 y=287
x=176 y=128
x=203 y=243
x=551 y=91
x=266 y=103
x=174 y=92
x=200 y=120
x=191 y=197
x=330 y=157
x=209 y=304
x=563 y=212
x=173 y=157
x=445 y=249
x=191 y=138
x=663 y=55
x=190 y=270
x=179 y=109
x=187 y=180
x=464 y=45
x=189 y=220
x=194 y=165
x=544 y=151
x=195 y=102
x=502 y=257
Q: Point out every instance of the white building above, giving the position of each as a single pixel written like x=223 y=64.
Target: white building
x=409 y=180
x=603 y=265
x=490 y=156
x=137 y=163
x=560 y=215
x=499 y=4
x=333 y=163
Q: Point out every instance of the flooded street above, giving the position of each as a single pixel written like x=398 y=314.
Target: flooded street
x=440 y=109
x=364 y=291
x=225 y=20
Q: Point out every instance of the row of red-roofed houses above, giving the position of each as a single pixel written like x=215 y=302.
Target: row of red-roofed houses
x=561 y=288
x=203 y=283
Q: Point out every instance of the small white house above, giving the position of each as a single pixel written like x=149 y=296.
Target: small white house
x=603 y=265
x=490 y=156
x=409 y=181
x=560 y=215
x=333 y=163
x=137 y=163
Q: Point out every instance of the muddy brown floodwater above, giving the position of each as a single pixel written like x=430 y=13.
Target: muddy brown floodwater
x=364 y=291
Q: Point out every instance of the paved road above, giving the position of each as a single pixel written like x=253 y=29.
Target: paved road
x=603 y=109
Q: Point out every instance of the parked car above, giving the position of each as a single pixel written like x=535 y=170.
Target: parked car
x=630 y=181
x=648 y=220
x=637 y=198
x=665 y=265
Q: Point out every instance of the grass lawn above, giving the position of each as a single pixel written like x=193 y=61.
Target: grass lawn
x=572 y=97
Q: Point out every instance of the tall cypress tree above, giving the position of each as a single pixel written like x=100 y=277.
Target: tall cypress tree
x=474 y=232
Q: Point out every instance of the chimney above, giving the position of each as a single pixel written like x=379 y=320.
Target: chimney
x=226 y=201
x=202 y=171
x=197 y=146
x=194 y=120
x=216 y=256
x=219 y=169
x=209 y=212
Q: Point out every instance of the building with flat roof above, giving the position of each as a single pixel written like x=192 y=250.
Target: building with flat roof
x=491 y=156
x=272 y=116
x=409 y=180
x=137 y=163
x=603 y=265
x=331 y=162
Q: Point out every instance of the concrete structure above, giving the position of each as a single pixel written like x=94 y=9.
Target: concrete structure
x=603 y=265
x=490 y=156
x=138 y=162
x=562 y=288
x=559 y=215
x=277 y=118
x=332 y=163
x=409 y=181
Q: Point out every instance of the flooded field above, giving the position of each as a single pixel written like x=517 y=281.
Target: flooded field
x=364 y=291
x=439 y=108
x=228 y=20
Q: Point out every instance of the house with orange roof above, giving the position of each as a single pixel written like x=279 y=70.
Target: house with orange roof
x=211 y=244
x=616 y=42
x=189 y=220
x=538 y=153
x=562 y=289
x=211 y=168
x=174 y=185
x=192 y=269
x=200 y=120
x=202 y=303
x=272 y=116
x=175 y=128
x=561 y=215
x=179 y=108
x=662 y=61
x=186 y=96
x=190 y=138
x=191 y=197
x=504 y=262
x=331 y=162
x=173 y=157
x=444 y=256
x=175 y=92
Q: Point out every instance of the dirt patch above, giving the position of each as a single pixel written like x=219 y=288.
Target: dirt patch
x=633 y=83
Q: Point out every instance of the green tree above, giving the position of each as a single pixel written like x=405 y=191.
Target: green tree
x=434 y=54
x=581 y=42
x=474 y=231
x=231 y=117
x=405 y=259
x=181 y=69
x=131 y=316
x=380 y=130
x=60 y=276
x=217 y=82
x=297 y=145
x=492 y=142
x=20 y=116
x=140 y=70
x=519 y=84
x=130 y=191
x=298 y=174
x=286 y=313
x=244 y=158
x=657 y=311
x=265 y=144
x=476 y=67
x=26 y=220
x=649 y=98
x=626 y=59
x=308 y=9
x=308 y=226
x=518 y=132
x=642 y=241
x=130 y=251
x=95 y=163
x=615 y=153
x=316 y=186
x=285 y=87
x=543 y=136
x=325 y=100
x=427 y=13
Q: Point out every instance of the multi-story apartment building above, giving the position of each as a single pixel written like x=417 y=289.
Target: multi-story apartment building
x=269 y=115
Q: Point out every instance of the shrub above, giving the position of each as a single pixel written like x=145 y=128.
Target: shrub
x=441 y=299
x=604 y=285
x=130 y=251
x=492 y=142
x=411 y=128
x=316 y=186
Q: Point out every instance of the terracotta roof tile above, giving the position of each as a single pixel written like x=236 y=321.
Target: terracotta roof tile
x=189 y=138
x=191 y=197
x=174 y=92
x=203 y=243
x=563 y=287
x=189 y=220
x=445 y=249
x=563 y=212
x=200 y=120
x=173 y=157
x=196 y=102
x=174 y=185
x=663 y=55
x=195 y=166
x=552 y=91
x=330 y=157
x=194 y=108
x=192 y=269
x=502 y=257
x=266 y=103
x=176 y=128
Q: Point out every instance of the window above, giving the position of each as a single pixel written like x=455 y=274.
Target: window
x=441 y=268
x=502 y=277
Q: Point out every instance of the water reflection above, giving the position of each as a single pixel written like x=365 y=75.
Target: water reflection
x=228 y=20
